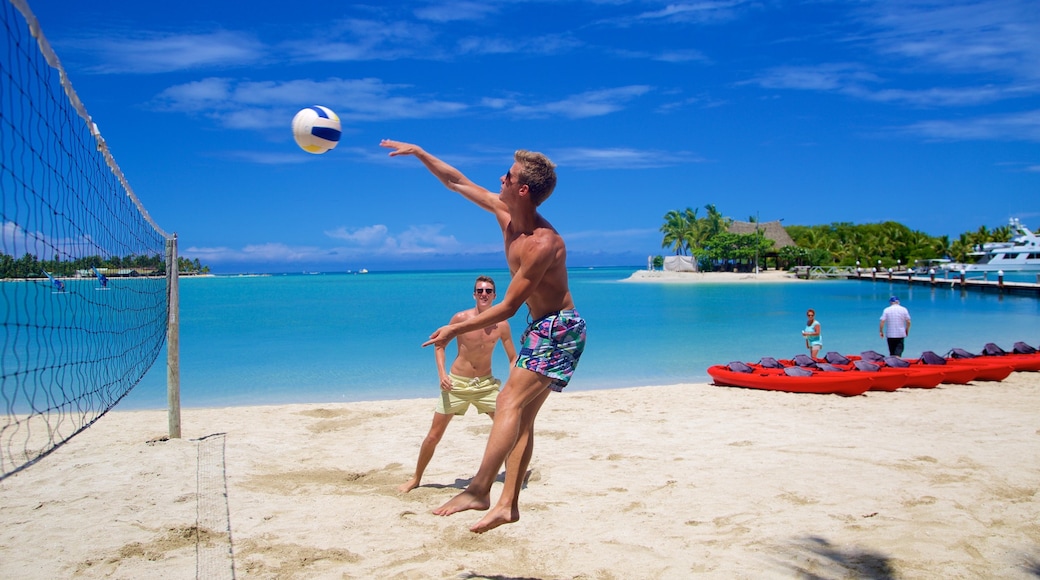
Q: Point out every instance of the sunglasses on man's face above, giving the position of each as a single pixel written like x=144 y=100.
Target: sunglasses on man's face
x=483 y=290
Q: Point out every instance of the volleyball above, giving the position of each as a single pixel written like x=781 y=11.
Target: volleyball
x=316 y=129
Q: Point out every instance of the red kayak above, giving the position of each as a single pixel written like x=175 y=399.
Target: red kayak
x=904 y=375
x=952 y=374
x=822 y=382
x=1019 y=362
x=884 y=379
x=986 y=369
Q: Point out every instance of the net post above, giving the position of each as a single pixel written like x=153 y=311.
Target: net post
x=173 y=340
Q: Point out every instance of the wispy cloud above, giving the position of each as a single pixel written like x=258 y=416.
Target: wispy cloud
x=366 y=236
x=854 y=80
x=152 y=52
x=621 y=158
x=681 y=12
x=259 y=105
x=364 y=39
x=374 y=242
x=581 y=105
x=992 y=48
x=252 y=105
x=457 y=11
x=995 y=36
x=1012 y=127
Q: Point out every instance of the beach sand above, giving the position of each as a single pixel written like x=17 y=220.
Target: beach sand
x=763 y=276
x=652 y=482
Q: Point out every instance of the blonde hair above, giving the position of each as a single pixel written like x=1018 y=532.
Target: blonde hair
x=537 y=173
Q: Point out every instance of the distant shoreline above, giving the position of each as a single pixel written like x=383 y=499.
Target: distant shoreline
x=765 y=276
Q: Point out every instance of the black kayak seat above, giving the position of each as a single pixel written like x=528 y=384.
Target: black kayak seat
x=803 y=360
x=896 y=362
x=739 y=367
x=930 y=358
x=992 y=350
x=959 y=353
x=872 y=356
x=1022 y=348
x=866 y=366
x=768 y=362
x=836 y=358
x=797 y=372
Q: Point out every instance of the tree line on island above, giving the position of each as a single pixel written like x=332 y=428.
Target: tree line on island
x=708 y=239
x=30 y=266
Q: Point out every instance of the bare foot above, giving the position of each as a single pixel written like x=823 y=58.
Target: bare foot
x=408 y=485
x=495 y=518
x=462 y=502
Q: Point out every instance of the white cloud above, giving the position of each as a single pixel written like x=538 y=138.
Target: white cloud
x=1013 y=127
x=995 y=36
x=150 y=52
x=262 y=104
x=621 y=158
x=456 y=11
x=366 y=236
x=581 y=105
x=374 y=242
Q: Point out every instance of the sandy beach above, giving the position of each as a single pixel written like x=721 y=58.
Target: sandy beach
x=763 y=276
x=652 y=482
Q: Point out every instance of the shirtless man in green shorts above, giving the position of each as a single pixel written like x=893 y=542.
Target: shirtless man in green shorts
x=470 y=380
x=551 y=345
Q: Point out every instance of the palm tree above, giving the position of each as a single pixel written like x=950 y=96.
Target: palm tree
x=677 y=230
x=714 y=222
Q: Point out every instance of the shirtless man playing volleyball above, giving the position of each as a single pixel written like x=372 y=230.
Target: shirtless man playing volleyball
x=551 y=345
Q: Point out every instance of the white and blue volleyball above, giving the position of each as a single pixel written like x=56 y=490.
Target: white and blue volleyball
x=316 y=129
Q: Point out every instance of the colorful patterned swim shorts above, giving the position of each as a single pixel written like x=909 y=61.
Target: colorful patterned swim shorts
x=552 y=345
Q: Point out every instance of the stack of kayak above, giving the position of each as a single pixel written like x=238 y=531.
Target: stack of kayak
x=852 y=375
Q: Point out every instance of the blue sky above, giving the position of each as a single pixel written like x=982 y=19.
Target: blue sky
x=923 y=112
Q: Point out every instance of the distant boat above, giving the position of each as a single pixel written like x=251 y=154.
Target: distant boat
x=102 y=279
x=363 y=271
x=58 y=284
x=1022 y=253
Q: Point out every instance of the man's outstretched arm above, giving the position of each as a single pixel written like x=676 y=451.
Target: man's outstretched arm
x=451 y=177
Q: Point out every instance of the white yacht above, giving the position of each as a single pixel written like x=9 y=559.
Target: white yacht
x=1022 y=253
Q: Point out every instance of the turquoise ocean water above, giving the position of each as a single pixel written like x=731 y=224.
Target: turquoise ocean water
x=348 y=337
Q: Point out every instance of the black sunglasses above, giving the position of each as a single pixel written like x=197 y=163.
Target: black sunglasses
x=483 y=290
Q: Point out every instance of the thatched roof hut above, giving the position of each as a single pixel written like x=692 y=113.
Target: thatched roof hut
x=771 y=230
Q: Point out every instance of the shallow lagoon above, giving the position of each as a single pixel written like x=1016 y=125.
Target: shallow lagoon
x=347 y=337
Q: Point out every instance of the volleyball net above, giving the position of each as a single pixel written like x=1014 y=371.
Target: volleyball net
x=84 y=290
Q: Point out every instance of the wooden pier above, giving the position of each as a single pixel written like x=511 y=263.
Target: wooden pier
x=997 y=285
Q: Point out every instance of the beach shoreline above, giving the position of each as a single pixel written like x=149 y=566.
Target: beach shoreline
x=763 y=276
x=647 y=482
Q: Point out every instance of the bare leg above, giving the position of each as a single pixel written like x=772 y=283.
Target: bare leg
x=429 y=445
x=522 y=387
x=507 y=509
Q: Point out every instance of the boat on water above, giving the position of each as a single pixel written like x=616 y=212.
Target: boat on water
x=1022 y=253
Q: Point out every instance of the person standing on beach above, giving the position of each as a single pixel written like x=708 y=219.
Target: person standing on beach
x=895 y=326
x=470 y=380
x=551 y=345
x=813 y=337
